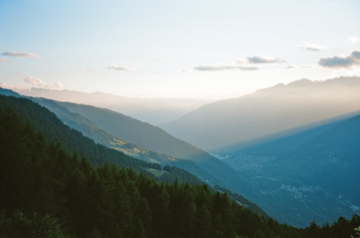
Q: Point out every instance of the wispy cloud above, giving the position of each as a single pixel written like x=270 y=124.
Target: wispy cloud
x=312 y=47
x=38 y=83
x=223 y=67
x=293 y=66
x=247 y=64
x=259 y=60
x=354 y=39
x=338 y=62
x=262 y=60
x=120 y=68
x=20 y=54
x=2 y=60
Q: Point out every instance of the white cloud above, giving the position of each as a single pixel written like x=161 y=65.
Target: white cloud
x=312 y=47
x=58 y=85
x=2 y=60
x=120 y=68
x=259 y=60
x=38 y=83
x=223 y=67
x=20 y=54
x=338 y=62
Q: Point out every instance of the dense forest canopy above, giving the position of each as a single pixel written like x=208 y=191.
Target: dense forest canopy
x=49 y=191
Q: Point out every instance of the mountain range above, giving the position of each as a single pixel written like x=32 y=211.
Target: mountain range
x=152 y=143
x=292 y=149
x=51 y=192
x=266 y=112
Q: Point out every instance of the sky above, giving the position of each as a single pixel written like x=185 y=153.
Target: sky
x=202 y=49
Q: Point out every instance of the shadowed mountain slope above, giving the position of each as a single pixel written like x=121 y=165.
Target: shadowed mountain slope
x=313 y=171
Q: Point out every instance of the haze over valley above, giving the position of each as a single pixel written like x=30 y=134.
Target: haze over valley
x=153 y=110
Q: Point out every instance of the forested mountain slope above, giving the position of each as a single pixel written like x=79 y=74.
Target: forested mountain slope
x=74 y=142
x=137 y=132
x=55 y=131
x=99 y=135
x=92 y=130
x=155 y=139
x=52 y=194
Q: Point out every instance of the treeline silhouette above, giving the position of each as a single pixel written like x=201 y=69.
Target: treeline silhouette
x=47 y=191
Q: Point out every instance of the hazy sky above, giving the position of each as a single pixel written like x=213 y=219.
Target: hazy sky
x=207 y=49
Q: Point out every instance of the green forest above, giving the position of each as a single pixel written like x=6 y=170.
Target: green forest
x=55 y=183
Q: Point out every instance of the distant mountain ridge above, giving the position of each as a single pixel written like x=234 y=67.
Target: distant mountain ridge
x=153 y=110
x=267 y=111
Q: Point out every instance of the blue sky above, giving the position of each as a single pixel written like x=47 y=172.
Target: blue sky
x=206 y=49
